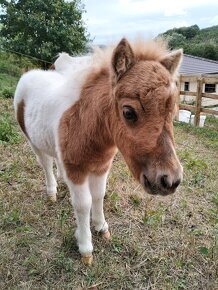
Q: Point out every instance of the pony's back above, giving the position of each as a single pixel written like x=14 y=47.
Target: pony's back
x=41 y=98
x=66 y=64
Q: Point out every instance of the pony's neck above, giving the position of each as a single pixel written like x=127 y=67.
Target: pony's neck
x=86 y=129
x=97 y=107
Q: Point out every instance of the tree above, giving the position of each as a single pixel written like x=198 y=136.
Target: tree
x=175 y=40
x=42 y=28
x=188 y=32
x=209 y=50
x=194 y=41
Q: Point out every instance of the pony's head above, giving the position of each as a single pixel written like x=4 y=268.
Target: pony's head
x=144 y=92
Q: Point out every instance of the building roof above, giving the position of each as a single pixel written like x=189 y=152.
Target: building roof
x=192 y=65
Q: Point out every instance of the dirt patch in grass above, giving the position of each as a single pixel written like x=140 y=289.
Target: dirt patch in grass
x=157 y=243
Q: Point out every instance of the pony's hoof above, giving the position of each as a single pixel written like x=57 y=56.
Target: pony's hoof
x=51 y=198
x=87 y=260
x=106 y=235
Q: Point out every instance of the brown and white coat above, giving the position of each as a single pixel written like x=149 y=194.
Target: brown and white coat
x=123 y=98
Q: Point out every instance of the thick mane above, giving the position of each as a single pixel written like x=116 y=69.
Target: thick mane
x=101 y=58
x=150 y=50
x=143 y=50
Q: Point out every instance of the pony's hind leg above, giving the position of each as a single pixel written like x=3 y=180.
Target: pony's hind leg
x=59 y=171
x=97 y=188
x=46 y=162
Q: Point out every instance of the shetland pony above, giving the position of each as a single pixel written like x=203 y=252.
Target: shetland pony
x=123 y=98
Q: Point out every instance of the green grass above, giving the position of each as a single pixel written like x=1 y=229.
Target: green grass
x=209 y=134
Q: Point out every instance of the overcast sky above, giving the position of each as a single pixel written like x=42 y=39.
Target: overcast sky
x=109 y=20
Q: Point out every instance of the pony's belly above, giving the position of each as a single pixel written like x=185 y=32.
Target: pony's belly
x=44 y=141
x=40 y=131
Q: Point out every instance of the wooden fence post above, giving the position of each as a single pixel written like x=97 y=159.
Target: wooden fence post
x=198 y=101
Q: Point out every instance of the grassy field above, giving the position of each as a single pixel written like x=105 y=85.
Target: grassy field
x=157 y=243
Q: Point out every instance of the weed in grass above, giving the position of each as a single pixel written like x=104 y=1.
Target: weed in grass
x=154 y=217
x=214 y=210
x=32 y=265
x=197 y=232
x=116 y=244
x=114 y=201
x=8 y=93
x=25 y=242
x=7 y=85
x=8 y=131
x=63 y=216
x=11 y=219
x=184 y=203
x=10 y=171
x=213 y=215
x=24 y=229
x=191 y=162
x=90 y=277
x=180 y=285
x=63 y=263
x=197 y=168
x=135 y=200
x=204 y=250
x=215 y=199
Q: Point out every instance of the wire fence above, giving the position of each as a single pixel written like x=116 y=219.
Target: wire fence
x=12 y=65
x=26 y=55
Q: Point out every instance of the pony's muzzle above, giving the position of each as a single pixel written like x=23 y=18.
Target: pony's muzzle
x=164 y=184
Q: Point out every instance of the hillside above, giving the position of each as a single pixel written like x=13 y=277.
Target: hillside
x=194 y=41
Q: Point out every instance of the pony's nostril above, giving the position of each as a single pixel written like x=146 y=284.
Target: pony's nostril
x=166 y=185
x=146 y=181
x=176 y=184
x=164 y=181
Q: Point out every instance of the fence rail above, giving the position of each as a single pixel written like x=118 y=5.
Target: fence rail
x=198 y=94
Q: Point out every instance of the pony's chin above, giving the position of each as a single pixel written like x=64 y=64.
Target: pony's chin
x=157 y=191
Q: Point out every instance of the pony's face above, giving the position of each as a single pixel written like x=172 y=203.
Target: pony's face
x=145 y=96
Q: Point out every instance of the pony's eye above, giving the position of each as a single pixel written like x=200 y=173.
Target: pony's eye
x=129 y=114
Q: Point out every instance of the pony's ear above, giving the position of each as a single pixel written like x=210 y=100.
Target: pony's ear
x=172 y=61
x=122 y=59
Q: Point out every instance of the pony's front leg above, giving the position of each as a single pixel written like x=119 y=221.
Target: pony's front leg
x=82 y=201
x=97 y=188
